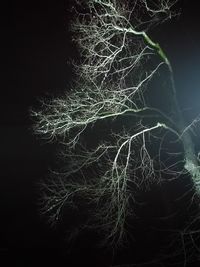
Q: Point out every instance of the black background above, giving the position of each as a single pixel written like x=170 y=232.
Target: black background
x=36 y=48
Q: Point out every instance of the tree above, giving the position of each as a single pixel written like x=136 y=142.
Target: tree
x=142 y=142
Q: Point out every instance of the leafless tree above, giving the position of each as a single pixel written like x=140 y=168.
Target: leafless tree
x=118 y=63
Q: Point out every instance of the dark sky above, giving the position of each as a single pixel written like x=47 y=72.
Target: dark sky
x=36 y=47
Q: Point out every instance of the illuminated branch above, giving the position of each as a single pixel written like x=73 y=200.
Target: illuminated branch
x=113 y=47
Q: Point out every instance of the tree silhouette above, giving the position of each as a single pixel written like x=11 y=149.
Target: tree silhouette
x=117 y=137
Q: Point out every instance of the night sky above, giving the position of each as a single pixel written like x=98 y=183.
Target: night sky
x=36 y=49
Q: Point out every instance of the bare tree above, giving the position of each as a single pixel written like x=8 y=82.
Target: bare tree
x=119 y=62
